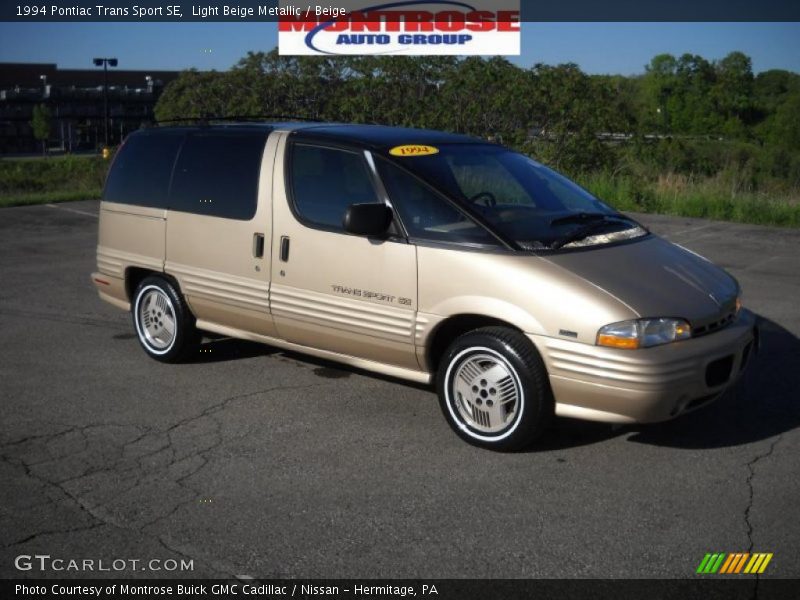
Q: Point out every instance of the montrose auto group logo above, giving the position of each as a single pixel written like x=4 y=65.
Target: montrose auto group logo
x=403 y=27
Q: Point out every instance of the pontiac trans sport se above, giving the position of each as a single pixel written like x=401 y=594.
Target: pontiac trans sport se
x=422 y=255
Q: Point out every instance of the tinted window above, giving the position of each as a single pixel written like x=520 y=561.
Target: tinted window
x=217 y=175
x=325 y=181
x=141 y=171
x=425 y=214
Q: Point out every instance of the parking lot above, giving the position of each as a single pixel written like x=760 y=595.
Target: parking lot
x=253 y=462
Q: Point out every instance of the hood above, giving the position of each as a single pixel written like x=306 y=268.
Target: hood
x=656 y=278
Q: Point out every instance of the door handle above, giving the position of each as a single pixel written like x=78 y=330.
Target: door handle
x=258 y=245
x=285 y=248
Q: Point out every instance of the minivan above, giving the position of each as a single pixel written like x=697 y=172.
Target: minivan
x=427 y=256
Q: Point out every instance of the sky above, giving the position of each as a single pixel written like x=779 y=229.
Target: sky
x=598 y=48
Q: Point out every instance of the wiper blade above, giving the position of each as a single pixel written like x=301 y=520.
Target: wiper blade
x=578 y=218
x=583 y=232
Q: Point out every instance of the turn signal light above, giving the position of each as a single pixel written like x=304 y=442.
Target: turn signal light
x=617 y=342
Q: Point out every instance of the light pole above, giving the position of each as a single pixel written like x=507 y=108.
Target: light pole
x=105 y=63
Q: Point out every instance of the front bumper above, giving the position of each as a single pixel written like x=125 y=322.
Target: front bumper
x=650 y=384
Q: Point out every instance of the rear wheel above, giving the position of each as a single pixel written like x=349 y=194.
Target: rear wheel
x=494 y=390
x=163 y=322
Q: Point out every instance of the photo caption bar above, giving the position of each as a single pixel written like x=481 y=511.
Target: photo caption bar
x=273 y=10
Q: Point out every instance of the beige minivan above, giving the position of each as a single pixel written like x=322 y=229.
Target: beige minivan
x=421 y=255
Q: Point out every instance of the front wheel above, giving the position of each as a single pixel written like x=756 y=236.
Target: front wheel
x=494 y=390
x=163 y=321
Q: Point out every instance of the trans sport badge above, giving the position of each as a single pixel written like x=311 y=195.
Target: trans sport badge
x=404 y=27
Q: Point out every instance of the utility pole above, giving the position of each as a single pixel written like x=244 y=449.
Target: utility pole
x=105 y=63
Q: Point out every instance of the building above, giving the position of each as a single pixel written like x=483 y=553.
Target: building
x=75 y=100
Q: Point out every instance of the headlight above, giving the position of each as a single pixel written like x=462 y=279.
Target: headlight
x=643 y=333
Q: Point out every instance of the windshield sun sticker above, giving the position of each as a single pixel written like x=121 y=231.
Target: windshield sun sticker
x=413 y=150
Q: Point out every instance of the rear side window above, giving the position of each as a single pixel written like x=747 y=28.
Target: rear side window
x=325 y=181
x=141 y=171
x=217 y=175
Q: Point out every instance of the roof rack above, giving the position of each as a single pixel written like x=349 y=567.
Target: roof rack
x=207 y=119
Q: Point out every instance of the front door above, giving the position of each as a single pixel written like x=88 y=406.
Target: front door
x=332 y=290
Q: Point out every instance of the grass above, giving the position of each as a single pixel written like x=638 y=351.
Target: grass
x=48 y=197
x=708 y=198
x=53 y=179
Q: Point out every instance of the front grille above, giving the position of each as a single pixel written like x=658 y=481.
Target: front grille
x=719 y=371
x=713 y=326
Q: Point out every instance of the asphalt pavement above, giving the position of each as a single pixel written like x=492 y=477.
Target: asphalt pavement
x=254 y=462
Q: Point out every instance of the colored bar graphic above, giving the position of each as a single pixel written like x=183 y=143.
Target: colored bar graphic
x=710 y=563
x=755 y=562
x=703 y=563
x=734 y=560
x=741 y=562
x=718 y=563
x=764 y=564
x=734 y=563
x=727 y=564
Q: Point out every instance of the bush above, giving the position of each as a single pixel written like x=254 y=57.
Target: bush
x=33 y=180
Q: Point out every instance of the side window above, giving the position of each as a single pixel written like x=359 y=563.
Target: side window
x=217 y=175
x=141 y=171
x=425 y=214
x=325 y=181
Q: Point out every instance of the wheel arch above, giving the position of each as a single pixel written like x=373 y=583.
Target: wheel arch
x=451 y=328
x=135 y=275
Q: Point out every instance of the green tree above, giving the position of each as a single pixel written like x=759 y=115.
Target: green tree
x=733 y=92
x=770 y=89
x=570 y=109
x=625 y=100
x=658 y=85
x=689 y=116
x=192 y=95
x=40 y=123
x=783 y=128
x=691 y=106
x=487 y=98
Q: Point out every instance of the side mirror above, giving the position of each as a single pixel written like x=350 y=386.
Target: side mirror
x=372 y=219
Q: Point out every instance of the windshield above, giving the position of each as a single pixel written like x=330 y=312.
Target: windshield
x=523 y=200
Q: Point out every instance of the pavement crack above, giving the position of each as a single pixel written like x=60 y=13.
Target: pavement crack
x=751 y=468
x=31 y=438
x=751 y=475
x=223 y=404
x=106 y=468
x=53 y=532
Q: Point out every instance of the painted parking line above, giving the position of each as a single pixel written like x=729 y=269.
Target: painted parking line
x=73 y=210
x=692 y=229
